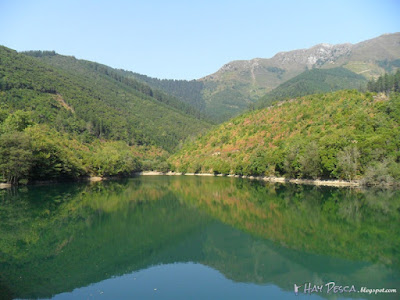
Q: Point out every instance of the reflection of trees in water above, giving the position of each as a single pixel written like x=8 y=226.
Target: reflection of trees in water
x=76 y=234
x=105 y=229
x=355 y=224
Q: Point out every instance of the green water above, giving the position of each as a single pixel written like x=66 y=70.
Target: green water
x=167 y=237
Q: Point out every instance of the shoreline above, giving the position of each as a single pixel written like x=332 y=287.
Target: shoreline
x=317 y=182
x=272 y=179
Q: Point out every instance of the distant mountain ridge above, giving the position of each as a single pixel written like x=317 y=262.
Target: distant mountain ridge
x=386 y=46
x=239 y=83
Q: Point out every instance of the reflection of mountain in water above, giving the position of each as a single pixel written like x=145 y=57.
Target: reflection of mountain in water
x=85 y=234
x=358 y=225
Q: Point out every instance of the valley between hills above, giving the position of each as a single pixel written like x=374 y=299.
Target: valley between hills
x=328 y=112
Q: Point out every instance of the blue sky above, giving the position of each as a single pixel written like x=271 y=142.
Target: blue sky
x=188 y=39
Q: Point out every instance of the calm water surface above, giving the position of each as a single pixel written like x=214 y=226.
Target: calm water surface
x=167 y=237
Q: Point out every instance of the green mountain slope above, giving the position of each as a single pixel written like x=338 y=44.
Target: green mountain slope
x=66 y=123
x=71 y=96
x=345 y=134
x=312 y=82
x=140 y=87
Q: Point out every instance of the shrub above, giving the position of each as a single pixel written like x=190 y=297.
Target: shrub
x=310 y=161
x=16 y=157
x=163 y=167
x=377 y=174
x=348 y=162
x=197 y=168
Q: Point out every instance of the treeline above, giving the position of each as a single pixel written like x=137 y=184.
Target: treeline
x=188 y=91
x=385 y=84
x=40 y=53
x=343 y=135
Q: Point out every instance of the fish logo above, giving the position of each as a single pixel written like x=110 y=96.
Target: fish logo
x=296 y=289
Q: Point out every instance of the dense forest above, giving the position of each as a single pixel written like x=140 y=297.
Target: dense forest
x=342 y=135
x=66 y=123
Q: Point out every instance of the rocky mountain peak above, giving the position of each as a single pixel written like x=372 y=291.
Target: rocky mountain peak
x=317 y=55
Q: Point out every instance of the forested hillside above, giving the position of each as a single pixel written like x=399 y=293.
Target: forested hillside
x=68 y=123
x=155 y=91
x=90 y=104
x=313 y=82
x=346 y=135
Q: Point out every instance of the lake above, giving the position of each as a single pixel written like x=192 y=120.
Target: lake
x=187 y=237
